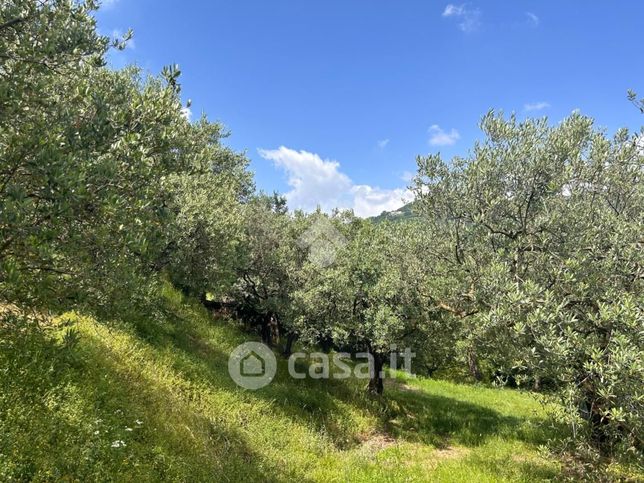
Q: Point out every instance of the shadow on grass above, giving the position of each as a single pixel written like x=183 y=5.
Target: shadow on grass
x=312 y=403
x=179 y=439
x=330 y=406
x=183 y=430
x=325 y=405
x=414 y=416
x=439 y=421
x=72 y=414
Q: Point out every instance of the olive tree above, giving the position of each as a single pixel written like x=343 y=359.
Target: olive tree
x=542 y=229
x=266 y=268
x=205 y=235
x=101 y=173
x=370 y=299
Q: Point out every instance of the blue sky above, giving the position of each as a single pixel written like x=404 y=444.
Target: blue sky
x=333 y=100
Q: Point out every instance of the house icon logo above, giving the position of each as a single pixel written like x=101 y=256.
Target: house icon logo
x=322 y=240
x=252 y=365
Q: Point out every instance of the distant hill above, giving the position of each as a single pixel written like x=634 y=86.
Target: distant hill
x=405 y=213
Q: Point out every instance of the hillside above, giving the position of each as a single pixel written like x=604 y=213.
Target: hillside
x=151 y=400
x=404 y=213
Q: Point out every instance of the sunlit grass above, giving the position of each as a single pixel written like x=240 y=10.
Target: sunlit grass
x=151 y=400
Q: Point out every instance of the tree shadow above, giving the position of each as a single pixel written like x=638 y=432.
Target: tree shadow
x=213 y=439
x=441 y=421
x=409 y=415
x=414 y=416
x=309 y=402
x=74 y=413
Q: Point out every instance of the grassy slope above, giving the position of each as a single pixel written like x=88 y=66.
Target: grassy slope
x=161 y=387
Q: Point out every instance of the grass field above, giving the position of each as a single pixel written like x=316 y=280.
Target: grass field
x=151 y=400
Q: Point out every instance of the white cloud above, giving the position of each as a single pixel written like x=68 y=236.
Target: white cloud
x=438 y=137
x=314 y=181
x=453 y=10
x=370 y=201
x=407 y=176
x=533 y=19
x=536 y=106
x=382 y=144
x=469 y=19
x=319 y=182
x=108 y=3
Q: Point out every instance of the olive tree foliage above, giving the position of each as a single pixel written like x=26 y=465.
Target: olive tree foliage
x=318 y=298
x=639 y=103
x=205 y=237
x=39 y=42
x=269 y=258
x=370 y=299
x=94 y=163
x=543 y=263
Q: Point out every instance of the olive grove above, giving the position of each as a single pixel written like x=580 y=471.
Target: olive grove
x=525 y=265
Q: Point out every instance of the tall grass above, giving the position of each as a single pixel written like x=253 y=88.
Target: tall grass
x=151 y=400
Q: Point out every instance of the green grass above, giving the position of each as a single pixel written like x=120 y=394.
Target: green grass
x=151 y=400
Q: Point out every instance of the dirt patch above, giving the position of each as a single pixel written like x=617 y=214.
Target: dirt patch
x=450 y=452
x=399 y=385
x=428 y=458
x=374 y=442
x=406 y=387
x=521 y=458
x=27 y=318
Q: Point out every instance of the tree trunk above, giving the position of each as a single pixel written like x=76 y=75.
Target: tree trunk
x=270 y=329
x=326 y=344
x=288 y=347
x=266 y=331
x=430 y=370
x=274 y=329
x=473 y=364
x=375 y=383
x=599 y=424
